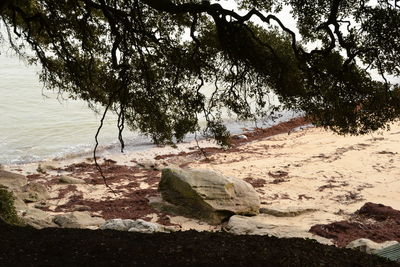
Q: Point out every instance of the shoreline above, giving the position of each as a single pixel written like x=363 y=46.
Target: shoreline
x=134 y=143
x=158 y=152
x=311 y=174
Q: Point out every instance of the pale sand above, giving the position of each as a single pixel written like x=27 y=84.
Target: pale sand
x=334 y=175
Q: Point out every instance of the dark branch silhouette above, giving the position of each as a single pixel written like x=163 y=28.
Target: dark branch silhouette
x=165 y=63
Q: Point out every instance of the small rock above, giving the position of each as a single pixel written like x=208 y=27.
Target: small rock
x=77 y=219
x=64 y=179
x=38 y=218
x=148 y=164
x=44 y=167
x=368 y=246
x=301 y=128
x=65 y=221
x=241 y=225
x=81 y=208
x=286 y=211
x=241 y=137
x=278 y=174
x=109 y=161
x=41 y=205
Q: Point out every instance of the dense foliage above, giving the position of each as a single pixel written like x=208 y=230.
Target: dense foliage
x=7 y=209
x=161 y=64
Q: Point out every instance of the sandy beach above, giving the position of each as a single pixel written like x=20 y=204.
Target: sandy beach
x=318 y=169
x=304 y=176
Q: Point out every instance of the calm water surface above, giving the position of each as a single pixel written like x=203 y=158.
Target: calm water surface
x=35 y=125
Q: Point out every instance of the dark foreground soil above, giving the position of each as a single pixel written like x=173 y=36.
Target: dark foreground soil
x=77 y=247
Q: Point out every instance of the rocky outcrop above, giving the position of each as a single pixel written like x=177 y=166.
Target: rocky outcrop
x=64 y=179
x=78 y=219
x=38 y=218
x=13 y=181
x=208 y=195
x=34 y=192
x=81 y=208
x=369 y=246
x=241 y=225
x=45 y=167
x=149 y=164
x=240 y=137
x=138 y=225
x=286 y=211
x=41 y=219
x=23 y=191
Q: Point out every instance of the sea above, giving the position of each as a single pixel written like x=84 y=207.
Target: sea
x=37 y=124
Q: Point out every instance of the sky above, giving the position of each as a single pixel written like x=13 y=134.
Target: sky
x=287 y=19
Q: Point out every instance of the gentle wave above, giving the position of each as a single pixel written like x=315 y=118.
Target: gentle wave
x=36 y=128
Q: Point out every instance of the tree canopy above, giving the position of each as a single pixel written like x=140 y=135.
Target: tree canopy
x=151 y=60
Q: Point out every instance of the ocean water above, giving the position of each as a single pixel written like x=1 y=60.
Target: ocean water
x=37 y=124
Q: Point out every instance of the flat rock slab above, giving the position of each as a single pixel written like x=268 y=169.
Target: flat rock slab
x=13 y=181
x=139 y=226
x=208 y=195
x=241 y=225
x=65 y=179
x=78 y=219
x=38 y=218
x=286 y=211
x=33 y=192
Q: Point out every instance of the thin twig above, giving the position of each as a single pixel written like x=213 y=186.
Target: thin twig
x=95 y=149
x=121 y=125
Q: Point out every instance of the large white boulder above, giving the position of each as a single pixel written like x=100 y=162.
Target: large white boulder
x=208 y=195
x=138 y=225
